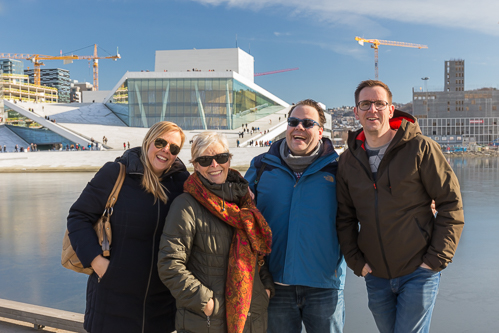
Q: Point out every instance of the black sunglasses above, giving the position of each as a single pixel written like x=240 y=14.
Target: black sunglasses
x=162 y=143
x=307 y=123
x=205 y=161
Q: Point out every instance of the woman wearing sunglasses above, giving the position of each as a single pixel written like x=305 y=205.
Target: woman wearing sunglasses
x=212 y=247
x=125 y=294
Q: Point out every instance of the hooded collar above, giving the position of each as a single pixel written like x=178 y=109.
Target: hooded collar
x=401 y=122
x=131 y=160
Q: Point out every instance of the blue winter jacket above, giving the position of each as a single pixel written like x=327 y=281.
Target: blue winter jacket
x=302 y=216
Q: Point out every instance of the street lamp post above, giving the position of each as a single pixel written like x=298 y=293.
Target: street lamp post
x=425 y=79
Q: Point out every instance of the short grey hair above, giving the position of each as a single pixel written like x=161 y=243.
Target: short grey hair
x=202 y=141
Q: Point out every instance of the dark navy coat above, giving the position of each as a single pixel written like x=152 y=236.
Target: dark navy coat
x=130 y=297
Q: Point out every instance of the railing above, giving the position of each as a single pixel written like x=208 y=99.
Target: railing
x=41 y=316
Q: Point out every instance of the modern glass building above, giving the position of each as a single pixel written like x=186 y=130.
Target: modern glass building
x=191 y=102
x=204 y=98
x=54 y=77
x=11 y=66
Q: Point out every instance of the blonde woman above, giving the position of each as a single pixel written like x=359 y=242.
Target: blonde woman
x=125 y=293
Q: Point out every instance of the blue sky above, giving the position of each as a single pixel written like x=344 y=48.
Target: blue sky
x=315 y=35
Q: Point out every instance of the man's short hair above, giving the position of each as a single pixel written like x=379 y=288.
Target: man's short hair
x=370 y=84
x=315 y=105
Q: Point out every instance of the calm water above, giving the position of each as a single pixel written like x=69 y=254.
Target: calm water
x=33 y=211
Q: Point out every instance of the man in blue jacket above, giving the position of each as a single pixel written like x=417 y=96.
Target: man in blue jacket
x=295 y=189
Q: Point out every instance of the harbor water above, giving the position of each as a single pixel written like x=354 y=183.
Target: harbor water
x=34 y=207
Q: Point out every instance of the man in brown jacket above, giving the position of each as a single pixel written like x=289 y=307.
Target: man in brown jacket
x=388 y=234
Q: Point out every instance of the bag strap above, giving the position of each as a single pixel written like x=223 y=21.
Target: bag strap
x=257 y=179
x=113 y=197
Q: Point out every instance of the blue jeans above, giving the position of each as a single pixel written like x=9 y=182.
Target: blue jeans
x=404 y=304
x=321 y=310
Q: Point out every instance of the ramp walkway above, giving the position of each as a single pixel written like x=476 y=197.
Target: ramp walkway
x=54 y=127
x=10 y=139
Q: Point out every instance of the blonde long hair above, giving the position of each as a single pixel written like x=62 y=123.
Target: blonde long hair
x=150 y=181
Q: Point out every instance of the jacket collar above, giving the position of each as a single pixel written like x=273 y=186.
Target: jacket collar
x=401 y=121
x=131 y=159
x=273 y=156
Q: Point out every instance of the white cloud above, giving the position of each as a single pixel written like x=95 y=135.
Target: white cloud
x=278 y=34
x=477 y=15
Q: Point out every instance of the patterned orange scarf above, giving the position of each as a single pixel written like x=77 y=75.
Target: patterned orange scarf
x=252 y=236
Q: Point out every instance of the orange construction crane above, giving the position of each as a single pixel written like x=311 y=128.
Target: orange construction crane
x=95 y=59
x=378 y=42
x=36 y=59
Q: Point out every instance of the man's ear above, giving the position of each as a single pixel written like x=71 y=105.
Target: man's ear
x=392 y=110
x=320 y=132
x=355 y=112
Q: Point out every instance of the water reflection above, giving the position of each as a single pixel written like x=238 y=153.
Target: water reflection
x=34 y=208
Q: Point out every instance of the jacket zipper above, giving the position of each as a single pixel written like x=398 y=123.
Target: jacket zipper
x=150 y=272
x=208 y=322
x=376 y=213
x=379 y=230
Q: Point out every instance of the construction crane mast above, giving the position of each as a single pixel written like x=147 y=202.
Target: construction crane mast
x=377 y=42
x=36 y=59
x=95 y=64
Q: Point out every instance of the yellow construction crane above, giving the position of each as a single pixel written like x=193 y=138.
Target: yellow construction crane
x=95 y=59
x=377 y=42
x=36 y=59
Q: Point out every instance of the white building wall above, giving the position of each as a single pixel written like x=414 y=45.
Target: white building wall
x=218 y=60
x=94 y=96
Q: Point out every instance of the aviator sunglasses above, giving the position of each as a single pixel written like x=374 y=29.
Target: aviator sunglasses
x=162 y=143
x=307 y=123
x=205 y=161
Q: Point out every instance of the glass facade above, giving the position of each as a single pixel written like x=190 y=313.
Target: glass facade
x=32 y=132
x=214 y=103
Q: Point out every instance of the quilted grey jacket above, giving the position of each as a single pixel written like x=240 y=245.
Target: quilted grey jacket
x=193 y=259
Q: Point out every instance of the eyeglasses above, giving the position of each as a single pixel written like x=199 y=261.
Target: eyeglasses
x=205 y=161
x=366 y=105
x=162 y=143
x=307 y=123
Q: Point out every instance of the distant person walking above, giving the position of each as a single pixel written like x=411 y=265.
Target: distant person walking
x=17 y=148
x=128 y=144
x=124 y=145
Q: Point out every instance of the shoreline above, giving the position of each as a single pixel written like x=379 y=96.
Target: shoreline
x=92 y=161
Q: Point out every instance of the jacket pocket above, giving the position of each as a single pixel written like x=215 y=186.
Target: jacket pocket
x=189 y=321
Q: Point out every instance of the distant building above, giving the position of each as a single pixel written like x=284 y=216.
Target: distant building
x=75 y=95
x=54 y=77
x=16 y=87
x=456 y=116
x=11 y=66
x=197 y=89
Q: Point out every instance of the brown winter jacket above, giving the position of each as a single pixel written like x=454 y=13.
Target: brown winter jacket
x=192 y=263
x=388 y=223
